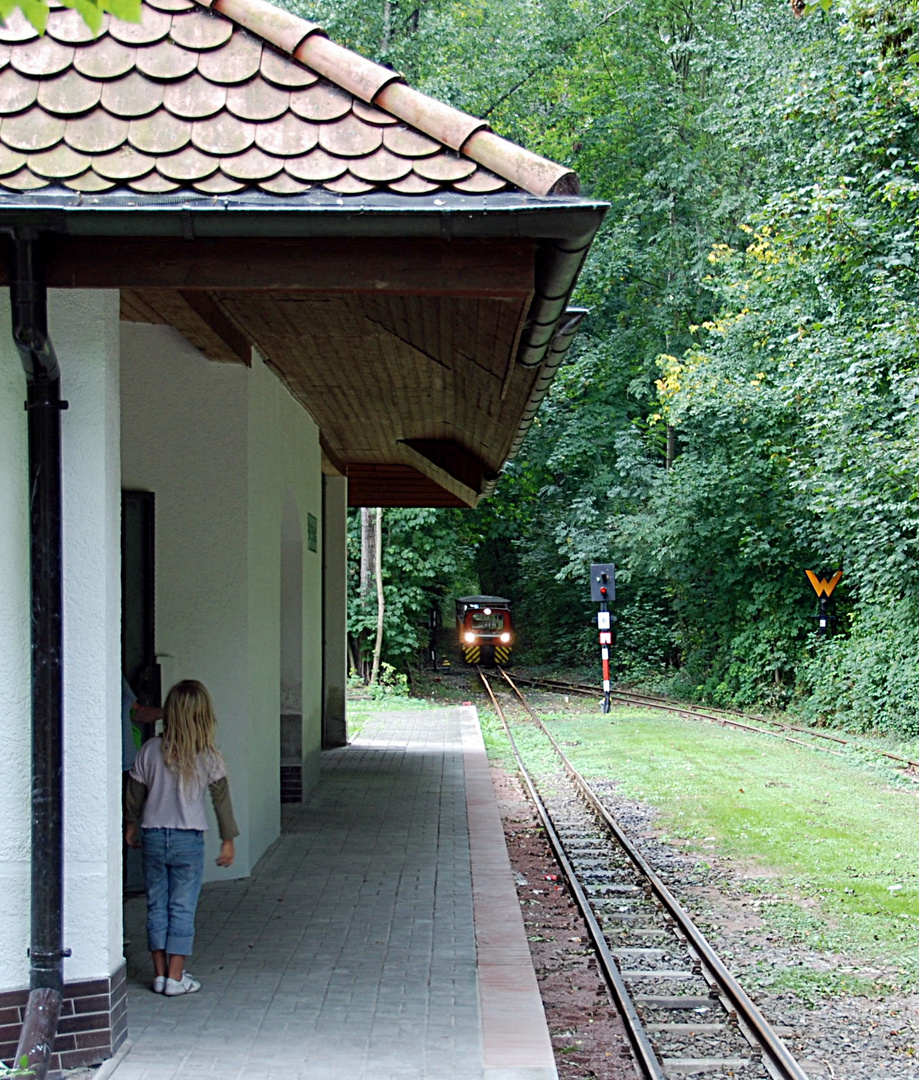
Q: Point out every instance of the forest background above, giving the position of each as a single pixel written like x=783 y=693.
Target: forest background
x=741 y=404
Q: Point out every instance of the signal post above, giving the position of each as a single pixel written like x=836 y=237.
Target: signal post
x=603 y=591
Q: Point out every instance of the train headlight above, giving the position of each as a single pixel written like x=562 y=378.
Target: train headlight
x=469 y=637
x=505 y=637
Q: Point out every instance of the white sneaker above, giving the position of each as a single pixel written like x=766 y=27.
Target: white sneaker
x=185 y=985
x=159 y=984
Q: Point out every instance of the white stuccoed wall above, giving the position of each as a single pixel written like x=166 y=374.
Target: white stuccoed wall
x=84 y=328
x=222 y=446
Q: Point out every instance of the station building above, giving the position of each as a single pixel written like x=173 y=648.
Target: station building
x=279 y=282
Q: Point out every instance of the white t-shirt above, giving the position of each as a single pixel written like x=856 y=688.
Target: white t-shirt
x=171 y=804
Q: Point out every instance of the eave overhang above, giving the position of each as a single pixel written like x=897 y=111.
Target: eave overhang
x=207 y=264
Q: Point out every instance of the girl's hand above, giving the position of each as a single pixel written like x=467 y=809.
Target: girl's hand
x=131 y=834
x=227 y=853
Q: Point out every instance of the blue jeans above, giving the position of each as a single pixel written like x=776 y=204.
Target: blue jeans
x=173 y=871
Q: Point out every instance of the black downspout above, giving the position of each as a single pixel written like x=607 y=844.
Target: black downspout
x=28 y=299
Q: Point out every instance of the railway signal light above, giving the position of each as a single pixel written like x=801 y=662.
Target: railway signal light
x=602 y=582
x=603 y=590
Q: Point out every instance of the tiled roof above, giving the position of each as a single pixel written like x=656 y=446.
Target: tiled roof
x=228 y=96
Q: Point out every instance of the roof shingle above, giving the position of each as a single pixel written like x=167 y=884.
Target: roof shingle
x=200 y=96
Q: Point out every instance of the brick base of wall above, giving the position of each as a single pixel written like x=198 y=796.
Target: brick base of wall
x=93 y=1024
x=291 y=783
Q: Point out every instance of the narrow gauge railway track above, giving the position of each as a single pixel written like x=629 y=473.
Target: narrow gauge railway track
x=684 y=1012
x=762 y=725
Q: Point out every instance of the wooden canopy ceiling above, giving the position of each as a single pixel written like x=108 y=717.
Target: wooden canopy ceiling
x=403 y=352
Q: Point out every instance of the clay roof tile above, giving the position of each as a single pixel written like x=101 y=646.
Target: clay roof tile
x=69 y=94
x=153 y=184
x=96 y=132
x=89 y=182
x=223 y=134
x=42 y=57
x=280 y=71
x=288 y=136
x=68 y=26
x=16 y=92
x=320 y=102
x=59 y=163
x=257 y=100
x=187 y=165
x=168 y=61
x=234 y=62
x=125 y=163
x=194 y=97
x=158 y=133
x=350 y=137
x=16 y=27
x=10 y=160
x=153 y=26
x=104 y=59
x=132 y=96
x=31 y=130
x=253 y=164
x=192 y=32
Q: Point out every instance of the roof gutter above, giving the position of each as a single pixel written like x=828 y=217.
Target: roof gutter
x=556 y=352
x=28 y=298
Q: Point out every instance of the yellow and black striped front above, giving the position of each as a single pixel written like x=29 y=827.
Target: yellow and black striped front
x=502 y=654
x=472 y=653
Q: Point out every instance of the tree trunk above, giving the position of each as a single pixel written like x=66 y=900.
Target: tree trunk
x=381 y=607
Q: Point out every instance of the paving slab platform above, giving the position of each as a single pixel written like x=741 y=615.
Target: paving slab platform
x=380 y=936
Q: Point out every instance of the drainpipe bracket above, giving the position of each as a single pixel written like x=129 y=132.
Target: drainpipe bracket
x=62 y=405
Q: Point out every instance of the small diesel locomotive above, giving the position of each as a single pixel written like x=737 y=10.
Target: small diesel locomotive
x=485 y=630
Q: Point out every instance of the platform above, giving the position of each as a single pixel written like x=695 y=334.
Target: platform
x=380 y=937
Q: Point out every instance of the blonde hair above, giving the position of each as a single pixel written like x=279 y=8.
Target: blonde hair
x=189 y=727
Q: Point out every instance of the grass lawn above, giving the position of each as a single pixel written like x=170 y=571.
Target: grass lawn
x=829 y=846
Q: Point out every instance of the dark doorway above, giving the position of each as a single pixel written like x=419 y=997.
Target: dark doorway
x=138 y=621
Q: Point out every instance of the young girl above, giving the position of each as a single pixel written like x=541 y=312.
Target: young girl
x=165 y=794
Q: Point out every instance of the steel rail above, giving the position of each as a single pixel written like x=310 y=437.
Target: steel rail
x=646 y=1058
x=776 y=1051
x=722 y=716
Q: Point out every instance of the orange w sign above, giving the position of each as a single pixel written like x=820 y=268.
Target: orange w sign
x=822 y=587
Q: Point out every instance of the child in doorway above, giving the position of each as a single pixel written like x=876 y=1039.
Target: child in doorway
x=165 y=798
